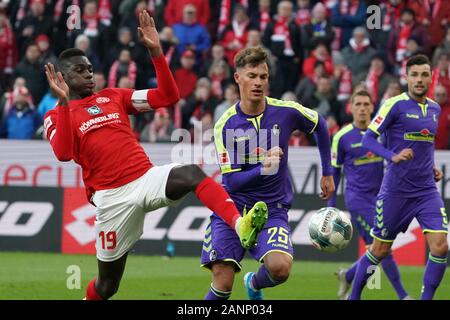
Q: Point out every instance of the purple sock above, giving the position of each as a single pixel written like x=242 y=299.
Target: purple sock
x=350 y=274
x=262 y=279
x=363 y=272
x=214 y=294
x=432 y=277
x=391 y=270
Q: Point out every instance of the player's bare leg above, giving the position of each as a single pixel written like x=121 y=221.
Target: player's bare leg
x=436 y=265
x=107 y=283
x=190 y=178
x=275 y=270
x=222 y=280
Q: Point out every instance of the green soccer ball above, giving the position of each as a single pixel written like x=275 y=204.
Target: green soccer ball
x=330 y=229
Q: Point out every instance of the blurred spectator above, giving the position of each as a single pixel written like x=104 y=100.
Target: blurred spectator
x=217 y=54
x=376 y=79
x=441 y=74
x=298 y=138
x=130 y=18
x=406 y=29
x=231 y=97
x=21 y=122
x=160 y=129
x=7 y=99
x=124 y=66
x=444 y=46
x=174 y=11
x=47 y=55
x=185 y=77
x=319 y=52
x=34 y=24
x=442 y=134
x=219 y=74
x=191 y=34
x=100 y=80
x=169 y=45
x=31 y=69
x=8 y=49
x=254 y=39
x=358 y=54
x=234 y=37
x=307 y=86
x=434 y=16
x=198 y=104
x=347 y=15
x=318 y=28
x=342 y=78
x=390 y=18
x=394 y=89
x=303 y=13
x=83 y=43
x=260 y=18
x=324 y=100
x=282 y=37
x=47 y=103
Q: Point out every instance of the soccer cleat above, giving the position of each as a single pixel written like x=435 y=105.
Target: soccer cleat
x=252 y=294
x=251 y=224
x=344 y=286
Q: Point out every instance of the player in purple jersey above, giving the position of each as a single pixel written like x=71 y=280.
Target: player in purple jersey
x=251 y=141
x=409 y=123
x=363 y=172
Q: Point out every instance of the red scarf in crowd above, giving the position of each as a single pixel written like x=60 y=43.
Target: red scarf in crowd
x=302 y=16
x=442 y=78
x=372 y=84
x=347 y=8
x=345 y=85
x=132 y=71
x=225 y=13
x=264 y=19
x=392 y=16
x=405 y=32
x=437 y=6
x=281 y=29
x=8 y=52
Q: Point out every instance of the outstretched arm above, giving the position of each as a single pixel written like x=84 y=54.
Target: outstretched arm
x=58 y=127
x=166 y=94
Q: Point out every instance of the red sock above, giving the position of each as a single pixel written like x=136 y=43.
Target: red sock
x=91 y=293
x=214 y=196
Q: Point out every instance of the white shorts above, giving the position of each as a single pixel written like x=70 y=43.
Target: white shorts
x=121 y=211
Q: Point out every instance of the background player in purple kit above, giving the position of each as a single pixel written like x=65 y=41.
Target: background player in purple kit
x=409 y=123
x=363 y=172
x=251 y=141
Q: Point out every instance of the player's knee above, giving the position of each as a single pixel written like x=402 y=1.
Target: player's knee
x=380 y=252
x=107 y=288
x=223 y=277
x=280 y=271
x=193 y=175
x=439 y=248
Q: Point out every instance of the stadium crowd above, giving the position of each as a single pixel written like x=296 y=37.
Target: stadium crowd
x=320 y=52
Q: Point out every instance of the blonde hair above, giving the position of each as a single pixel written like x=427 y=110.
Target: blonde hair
x=253 y=56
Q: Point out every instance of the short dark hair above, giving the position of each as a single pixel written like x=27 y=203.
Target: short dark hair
x=253 y=56
x=418 y=59
x=67 y=54
x=361 y=93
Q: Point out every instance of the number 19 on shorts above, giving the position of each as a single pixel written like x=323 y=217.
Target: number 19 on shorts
x=108 y=240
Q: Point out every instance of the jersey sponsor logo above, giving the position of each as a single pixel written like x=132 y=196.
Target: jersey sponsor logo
x=412 y=116
x=94 y=110
x=102 y=100
x=257 y=155
x=98 y=122
x=369 y=157
x=242 y=138
x=276 y=130
x=423 y=135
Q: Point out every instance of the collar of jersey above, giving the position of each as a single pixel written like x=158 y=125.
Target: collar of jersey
x=242 y=114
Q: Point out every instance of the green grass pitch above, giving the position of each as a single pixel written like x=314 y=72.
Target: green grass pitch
x=26 y=276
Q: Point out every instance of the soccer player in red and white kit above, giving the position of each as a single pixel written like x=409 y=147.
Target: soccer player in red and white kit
x=92 y=128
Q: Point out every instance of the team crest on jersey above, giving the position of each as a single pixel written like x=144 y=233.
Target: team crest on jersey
x=276 y=130
x=102 y=100
x=94 y=110
x=213 y=255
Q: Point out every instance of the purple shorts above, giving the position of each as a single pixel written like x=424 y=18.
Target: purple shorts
x=363 y=219
x=222 y=243
x=394 y=214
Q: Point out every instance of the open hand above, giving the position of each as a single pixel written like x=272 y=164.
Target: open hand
x=56 y=82
x=148 y=34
